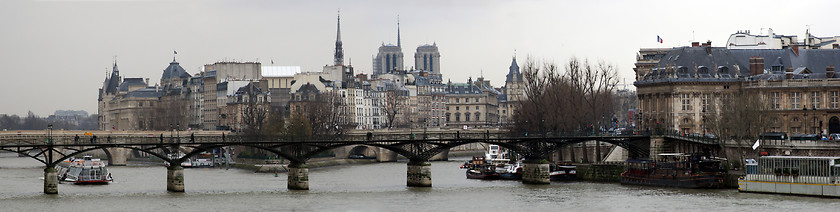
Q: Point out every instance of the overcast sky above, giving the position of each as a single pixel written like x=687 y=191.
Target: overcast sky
x=55 y=53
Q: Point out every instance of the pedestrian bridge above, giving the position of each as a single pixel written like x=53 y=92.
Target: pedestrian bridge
x=418 y=148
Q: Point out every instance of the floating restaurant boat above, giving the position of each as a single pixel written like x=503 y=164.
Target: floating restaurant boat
x=87 y=170
x=799 y=175
x=675 y=170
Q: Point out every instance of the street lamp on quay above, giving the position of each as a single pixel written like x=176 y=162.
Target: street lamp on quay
x=804 y=119
x=814 y=112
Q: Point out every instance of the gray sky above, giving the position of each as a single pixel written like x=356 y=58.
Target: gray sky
x=55 y=53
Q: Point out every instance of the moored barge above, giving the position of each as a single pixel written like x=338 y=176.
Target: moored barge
x=675 y=170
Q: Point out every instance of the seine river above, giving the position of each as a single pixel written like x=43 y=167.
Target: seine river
x=368 y=187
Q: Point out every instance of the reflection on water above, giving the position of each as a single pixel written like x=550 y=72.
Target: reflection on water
x=369 y=187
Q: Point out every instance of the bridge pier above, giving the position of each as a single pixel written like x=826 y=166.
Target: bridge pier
x=298 y=178
x=50 y=180
x=118 y=156
x=385 y=155
x=419 y=174
x=535 y=172
x=442 y=156
x=175 y=178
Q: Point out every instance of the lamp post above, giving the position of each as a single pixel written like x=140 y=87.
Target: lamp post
x=804 y=118
x=703 y=122
x=50 y=143
x=814 y=124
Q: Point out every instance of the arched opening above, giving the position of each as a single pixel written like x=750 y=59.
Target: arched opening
x=362 y=152
x=834 y=125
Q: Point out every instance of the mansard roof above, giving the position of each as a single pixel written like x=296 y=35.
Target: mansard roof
x=145 y=93
x=174 y=71
x=692 y=64
x=128 y=82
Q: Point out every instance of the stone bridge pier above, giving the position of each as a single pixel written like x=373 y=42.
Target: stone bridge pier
x=535 y=172
x=118 y=156
x=50 y=180
x=298 y=178
x=419 y=174
x=175 y=177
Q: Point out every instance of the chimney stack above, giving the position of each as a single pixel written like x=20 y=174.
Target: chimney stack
x=708 y=46
x=829 y=72
x=756 y=66
x=789 y=72
x=795 y=48
x=695 y=44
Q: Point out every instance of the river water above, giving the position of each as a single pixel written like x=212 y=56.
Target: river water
x=367 y=187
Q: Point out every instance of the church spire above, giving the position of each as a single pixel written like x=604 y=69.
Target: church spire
x=514 y=75
x=398 y=32
x=339 y=51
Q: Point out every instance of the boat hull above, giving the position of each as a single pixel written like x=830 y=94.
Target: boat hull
x=473 y=174
x=510 y=176
x=561 y=176
x=693 y=181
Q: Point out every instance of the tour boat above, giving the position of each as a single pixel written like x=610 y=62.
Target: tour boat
x=799 y=175
x=675 y=170
x=87 y=170
x=562 y=172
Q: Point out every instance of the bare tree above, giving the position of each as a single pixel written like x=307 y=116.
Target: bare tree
x=254 y=113
x=739 y=117
x=578 y=100
x=393 y=105
x=327 y=115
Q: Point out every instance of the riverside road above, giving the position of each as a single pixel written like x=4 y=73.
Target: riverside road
x=368 y=187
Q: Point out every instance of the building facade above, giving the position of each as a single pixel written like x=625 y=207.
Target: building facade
x=687 y=86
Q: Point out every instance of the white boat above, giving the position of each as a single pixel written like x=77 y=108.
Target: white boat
x=87 y=170
x=202 y=160
x=185 y=164
x=800 y=175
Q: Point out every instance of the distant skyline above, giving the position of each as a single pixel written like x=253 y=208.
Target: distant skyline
x=55 y=53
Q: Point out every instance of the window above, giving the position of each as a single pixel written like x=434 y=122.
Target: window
x=466 y=117
x=686 y=101
x=447 y=117
x=815 y=99
x=467 y=108
x=477 y=116
x=466 y=99
x=705 y=103
x=476 y=100
x=457 y=100
x=457 y=117
x=835 y=99
x=795 y=97
x=476 y=107
x=776 y=100
x=457 y=108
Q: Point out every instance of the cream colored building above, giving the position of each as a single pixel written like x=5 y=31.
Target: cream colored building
x=687 y=84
